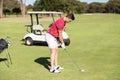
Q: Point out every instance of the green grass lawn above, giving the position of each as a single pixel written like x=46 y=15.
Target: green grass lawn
x=95 y=46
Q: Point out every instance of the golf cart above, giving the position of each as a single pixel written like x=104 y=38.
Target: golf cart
x=36 y=31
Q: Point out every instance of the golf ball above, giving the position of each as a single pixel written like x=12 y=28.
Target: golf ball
x=82 y=70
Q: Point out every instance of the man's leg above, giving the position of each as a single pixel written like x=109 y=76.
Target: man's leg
x=56 y=57
x=52 y=57
x=54 y=60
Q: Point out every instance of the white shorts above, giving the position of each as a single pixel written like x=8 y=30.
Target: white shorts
x=51 y=41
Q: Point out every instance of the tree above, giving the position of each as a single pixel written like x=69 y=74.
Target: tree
x=16 y=11
x=29 y=8
x=8 y=5
x=1 y=8
x=68 y=6
x=82 y=7
x=6 y=11
x=48 y=5
x=11 y=4
x=113 y=6
x=96 y=7
x=22 y=6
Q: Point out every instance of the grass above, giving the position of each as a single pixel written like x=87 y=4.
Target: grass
x=95 y=46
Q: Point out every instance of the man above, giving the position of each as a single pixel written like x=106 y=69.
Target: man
x=54 y=32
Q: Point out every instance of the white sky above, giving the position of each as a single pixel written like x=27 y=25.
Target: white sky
x=29 y=1
x=89 y=1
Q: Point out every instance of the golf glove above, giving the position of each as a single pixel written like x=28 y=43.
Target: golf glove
x=63 y=45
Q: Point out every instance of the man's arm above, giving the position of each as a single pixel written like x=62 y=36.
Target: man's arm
x=61 y=39
x=60 y=36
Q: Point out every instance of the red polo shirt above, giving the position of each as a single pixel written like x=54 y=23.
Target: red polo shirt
x=58 y=25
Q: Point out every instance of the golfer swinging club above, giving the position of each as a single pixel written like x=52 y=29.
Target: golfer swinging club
x=54 y=32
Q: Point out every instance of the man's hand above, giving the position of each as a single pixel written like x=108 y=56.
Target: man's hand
x=63 y=45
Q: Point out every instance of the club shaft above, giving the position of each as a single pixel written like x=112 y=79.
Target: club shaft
x=9 y=56
x=73 y=61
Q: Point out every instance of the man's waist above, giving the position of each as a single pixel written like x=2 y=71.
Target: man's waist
x=54 y=35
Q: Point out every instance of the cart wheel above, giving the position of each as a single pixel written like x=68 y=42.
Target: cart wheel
x=29 y=41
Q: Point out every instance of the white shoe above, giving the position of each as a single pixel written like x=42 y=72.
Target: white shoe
x=59 y=68
x=54 y=71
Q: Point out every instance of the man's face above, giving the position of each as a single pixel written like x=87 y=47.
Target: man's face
x=68 y=20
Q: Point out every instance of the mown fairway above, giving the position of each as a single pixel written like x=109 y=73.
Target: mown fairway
x=95 y=46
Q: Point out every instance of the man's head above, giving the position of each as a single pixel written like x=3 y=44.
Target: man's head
x=69 y=18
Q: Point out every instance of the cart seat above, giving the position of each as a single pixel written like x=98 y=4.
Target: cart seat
x=37 y=29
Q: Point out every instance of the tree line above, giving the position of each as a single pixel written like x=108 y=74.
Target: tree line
x=66 y=6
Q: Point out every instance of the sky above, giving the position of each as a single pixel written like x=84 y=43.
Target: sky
x=88 y=1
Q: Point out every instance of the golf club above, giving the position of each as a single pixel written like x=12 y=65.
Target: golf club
x=74 y=62
x=8 y=56
x=9 y=44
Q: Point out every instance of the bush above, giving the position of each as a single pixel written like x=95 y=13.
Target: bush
x=16 y=11
x=6 y=11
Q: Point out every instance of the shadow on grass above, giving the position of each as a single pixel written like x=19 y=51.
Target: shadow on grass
x=35 y=44
x=3 y=59
x=6 y=61
x=43 y=61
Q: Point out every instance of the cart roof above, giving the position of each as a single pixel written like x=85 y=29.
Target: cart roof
x=39 y=12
